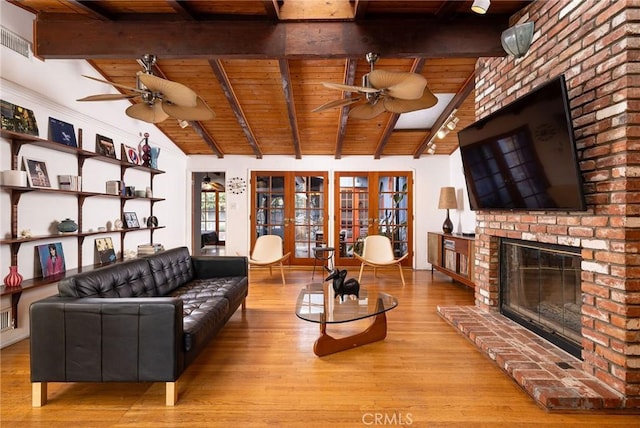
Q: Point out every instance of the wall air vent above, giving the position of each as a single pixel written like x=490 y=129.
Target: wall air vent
x=15 y=42
x=6 y=321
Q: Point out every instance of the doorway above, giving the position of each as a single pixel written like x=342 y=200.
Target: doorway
x=373 y=203
x=292 y=205
x=209 y=213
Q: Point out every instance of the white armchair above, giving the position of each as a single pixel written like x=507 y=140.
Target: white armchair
x=268 y=252
x=377 y=252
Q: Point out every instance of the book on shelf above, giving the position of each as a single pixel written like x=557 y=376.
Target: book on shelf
x=148 y=249
x=70 y=182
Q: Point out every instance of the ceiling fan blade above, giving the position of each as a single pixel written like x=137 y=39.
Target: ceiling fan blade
x=200 y=112
x=367 y=111
x=395 y=105
x=399 y=84
x=350 y=88
x=336 y=103
x=175 y=92
x=108 y=97
x=147 y=113
x=117 y=85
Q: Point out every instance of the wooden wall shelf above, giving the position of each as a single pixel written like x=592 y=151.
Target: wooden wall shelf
x=14 y=241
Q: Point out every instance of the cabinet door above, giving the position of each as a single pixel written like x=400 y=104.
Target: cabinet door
x=372 y=202
x=433 y=249
x=292 y=205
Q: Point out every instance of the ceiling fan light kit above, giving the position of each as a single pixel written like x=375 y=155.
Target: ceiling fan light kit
x=517 y=39
x=160 y=98
x=480 y=6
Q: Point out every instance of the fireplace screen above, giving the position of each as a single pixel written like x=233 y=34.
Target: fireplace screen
x=540 y=289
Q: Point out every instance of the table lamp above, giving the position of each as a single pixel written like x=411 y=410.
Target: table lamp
x=447 y=201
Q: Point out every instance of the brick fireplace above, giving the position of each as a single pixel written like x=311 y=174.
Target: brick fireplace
x=596 y=46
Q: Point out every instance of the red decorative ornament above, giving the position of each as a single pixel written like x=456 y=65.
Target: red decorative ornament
x=13 y=279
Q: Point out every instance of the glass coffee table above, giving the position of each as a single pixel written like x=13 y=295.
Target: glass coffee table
x=317 y=303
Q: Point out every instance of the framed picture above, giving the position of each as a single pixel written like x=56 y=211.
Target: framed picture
x=17 y=119
x=105 y=147
x=130 y=154
x=106 y=253
x=131 y=220
x=62 y=132
x=37 y=173
x=51 y=258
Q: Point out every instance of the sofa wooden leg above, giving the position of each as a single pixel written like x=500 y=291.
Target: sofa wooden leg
x=244 y=303
x=171 y=393
x=38 y=394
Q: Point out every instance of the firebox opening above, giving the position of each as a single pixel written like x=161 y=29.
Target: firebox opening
x=540 y=289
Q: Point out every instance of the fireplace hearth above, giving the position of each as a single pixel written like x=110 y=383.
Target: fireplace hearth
x=540 y=290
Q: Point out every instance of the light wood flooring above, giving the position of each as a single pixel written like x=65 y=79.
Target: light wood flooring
x=260 y=371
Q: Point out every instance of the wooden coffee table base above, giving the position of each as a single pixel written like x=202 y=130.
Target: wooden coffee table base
x=326 y=344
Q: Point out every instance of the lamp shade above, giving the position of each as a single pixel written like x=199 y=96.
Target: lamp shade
x=516 y=40
x=447 y=198
x=480 y=6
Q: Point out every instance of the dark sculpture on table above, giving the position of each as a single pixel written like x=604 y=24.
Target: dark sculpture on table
x=341 y=287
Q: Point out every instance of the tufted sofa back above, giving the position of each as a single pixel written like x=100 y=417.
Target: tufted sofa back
x=151 y=276
x=128 y=279
x=171 y=269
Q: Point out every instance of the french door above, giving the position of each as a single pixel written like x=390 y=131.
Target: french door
x=292 y=205
x=372 y=203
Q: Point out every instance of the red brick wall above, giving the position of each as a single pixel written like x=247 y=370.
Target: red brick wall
x=595 y=44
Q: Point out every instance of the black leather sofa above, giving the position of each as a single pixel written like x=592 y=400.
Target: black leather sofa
x=143 y=320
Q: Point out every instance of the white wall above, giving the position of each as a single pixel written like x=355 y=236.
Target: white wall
x=464 y=220
x=50 y=89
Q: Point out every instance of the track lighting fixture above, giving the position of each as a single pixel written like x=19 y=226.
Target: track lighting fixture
x=480 y=6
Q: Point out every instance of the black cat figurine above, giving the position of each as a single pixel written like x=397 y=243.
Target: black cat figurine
x=341 y=287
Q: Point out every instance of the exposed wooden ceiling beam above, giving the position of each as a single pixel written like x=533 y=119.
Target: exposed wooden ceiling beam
x=291 y=105
x=360 y=8
x=468 y=86
x=58 y=38
x=182 y=8
x=349 y=78
x=416 y=67
x=207 y=138
x=272 y=8
x=93 y=9
x=221 y=75
x=448 y=9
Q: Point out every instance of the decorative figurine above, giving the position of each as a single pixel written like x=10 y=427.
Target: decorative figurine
x=341 y=287
x=145 y=150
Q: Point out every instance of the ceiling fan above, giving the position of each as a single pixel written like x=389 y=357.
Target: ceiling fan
x=383 y=90
x=160 y=98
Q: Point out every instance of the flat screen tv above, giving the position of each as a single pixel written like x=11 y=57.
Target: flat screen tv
x=523 y=156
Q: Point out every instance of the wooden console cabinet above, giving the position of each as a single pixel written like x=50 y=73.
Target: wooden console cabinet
x=453 y=255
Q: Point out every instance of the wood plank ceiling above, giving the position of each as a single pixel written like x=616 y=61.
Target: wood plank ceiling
x=260 y=64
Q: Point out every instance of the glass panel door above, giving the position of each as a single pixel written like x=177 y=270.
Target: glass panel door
x=292 y=205
x=372 y=202
x=269 y=200
x=310 y=216
x=393 y=210
x=353 y=217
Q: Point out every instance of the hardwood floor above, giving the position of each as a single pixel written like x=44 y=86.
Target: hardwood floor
x=261 y=371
